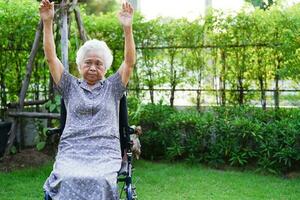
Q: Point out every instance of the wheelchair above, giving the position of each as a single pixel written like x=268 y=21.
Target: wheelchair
x=128 y=190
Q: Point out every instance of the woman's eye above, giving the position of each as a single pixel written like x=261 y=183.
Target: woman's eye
x=99 y=65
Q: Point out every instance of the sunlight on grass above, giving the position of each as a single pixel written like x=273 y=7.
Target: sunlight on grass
x=168 y=181
x=180 y=181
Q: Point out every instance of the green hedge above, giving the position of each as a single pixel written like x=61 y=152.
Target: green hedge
x=237 y=136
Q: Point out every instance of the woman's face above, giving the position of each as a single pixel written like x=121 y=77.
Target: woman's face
x=92 y=68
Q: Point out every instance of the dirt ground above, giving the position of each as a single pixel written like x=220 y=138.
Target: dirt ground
x=33 y=158
x=25 y=159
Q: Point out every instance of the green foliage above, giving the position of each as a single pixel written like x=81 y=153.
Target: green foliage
x=261 y=3
x=151 y=117
x=18 y=21
x=134 y=106
x=99 y=6
x=237 y=136
x=13 y=150
x=53 y=105
x=41 y=137
x=251 y=48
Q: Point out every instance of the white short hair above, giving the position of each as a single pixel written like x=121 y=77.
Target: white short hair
x=98 y=46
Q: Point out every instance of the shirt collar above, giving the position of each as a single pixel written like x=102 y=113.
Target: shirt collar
x=83 y=84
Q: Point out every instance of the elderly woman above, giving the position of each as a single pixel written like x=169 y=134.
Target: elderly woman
x=89 y=156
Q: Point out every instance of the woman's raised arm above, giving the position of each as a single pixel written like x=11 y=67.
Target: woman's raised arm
x=47 y=15
x=125 y=18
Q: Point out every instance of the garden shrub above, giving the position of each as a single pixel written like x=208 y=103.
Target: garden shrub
x=238 y=136
x=151 y=117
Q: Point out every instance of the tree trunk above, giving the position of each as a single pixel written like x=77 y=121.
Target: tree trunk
x=45 y=87
x=151 y=88
x=240 y=81
x=223 y=78
x=3 y=94
x=137 y=81
x=262 y=93
x=149 y=74
x=172 y=79
x=199 y=92
x=36 y=86
x=276 y=79
x=2 y=90
x=215 y=77
x=81 y=29
x=18 y=73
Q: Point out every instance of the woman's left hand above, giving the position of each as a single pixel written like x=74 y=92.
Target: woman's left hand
x=126 y=14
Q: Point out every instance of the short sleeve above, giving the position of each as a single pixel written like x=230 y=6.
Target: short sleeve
x=64 y=85
x=117 y=85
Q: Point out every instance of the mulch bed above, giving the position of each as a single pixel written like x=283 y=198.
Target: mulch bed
x=27 y=158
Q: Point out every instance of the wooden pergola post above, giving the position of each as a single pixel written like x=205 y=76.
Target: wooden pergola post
x=65 y=8
x=34 y=49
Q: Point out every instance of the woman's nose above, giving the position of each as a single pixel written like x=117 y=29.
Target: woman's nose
x=93 y=68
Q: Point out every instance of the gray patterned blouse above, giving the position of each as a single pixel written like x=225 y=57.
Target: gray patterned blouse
x=89 y=154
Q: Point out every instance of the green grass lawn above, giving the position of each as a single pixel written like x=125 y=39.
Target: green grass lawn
x=168 y=181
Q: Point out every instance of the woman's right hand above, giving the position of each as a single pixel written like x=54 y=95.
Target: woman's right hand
x=47 y=16
x=46 y=10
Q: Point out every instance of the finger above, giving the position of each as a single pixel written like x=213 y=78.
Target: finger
x=123 y=6
x=127 y=6
x=48 y=4
x=47 y=1
x=130 y=9
x=42 y=4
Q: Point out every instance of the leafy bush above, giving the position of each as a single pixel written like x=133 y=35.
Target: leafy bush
x=236 y=136
x=53 y=105
x=151 y=117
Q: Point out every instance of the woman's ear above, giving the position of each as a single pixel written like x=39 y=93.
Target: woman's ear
x=80 y=70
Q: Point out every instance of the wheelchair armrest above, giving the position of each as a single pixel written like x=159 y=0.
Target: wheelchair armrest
x=130 y=130
x=53 y=131
x=124 y=169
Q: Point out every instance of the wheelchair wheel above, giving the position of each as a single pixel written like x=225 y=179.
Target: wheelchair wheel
x=129 y=192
